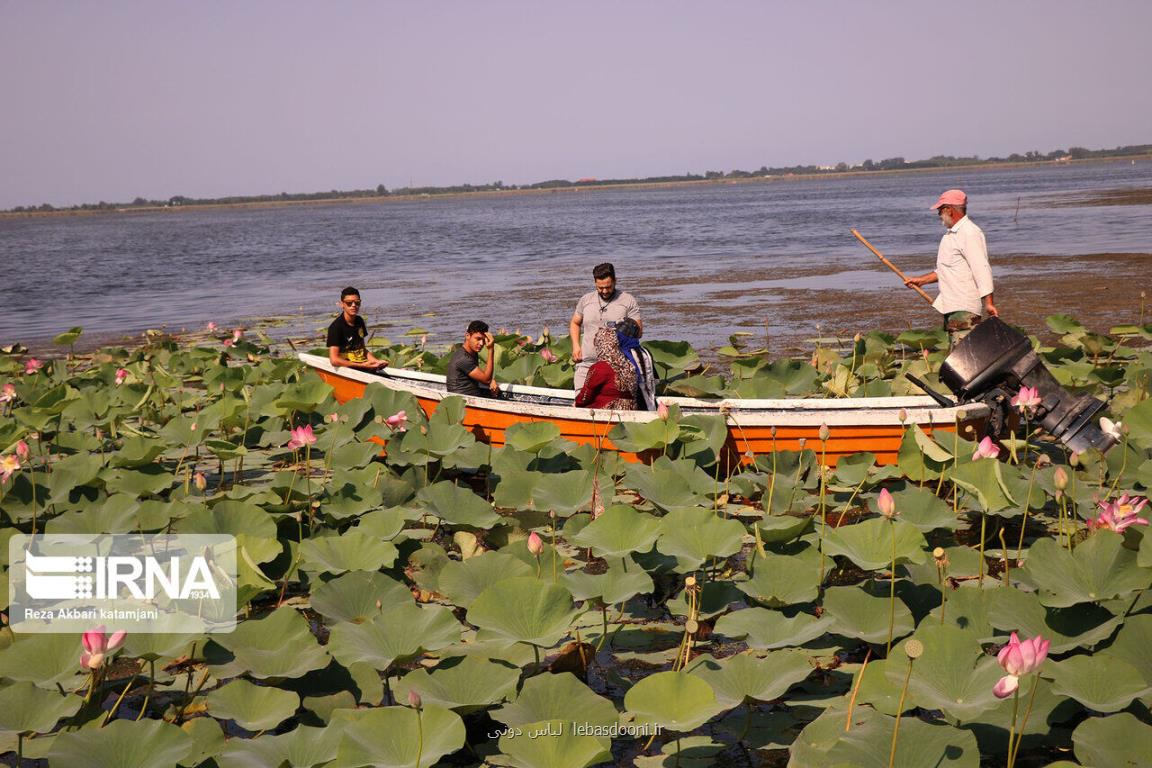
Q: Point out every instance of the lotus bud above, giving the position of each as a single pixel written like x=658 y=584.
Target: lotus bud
x=902 y=415
x=333 y=417
x=22 y=450
x=414 y=699
x=379 y=605
x=662 y=411
x=887 y=505
x=825 y=433
x=772 y=431
x=212 y=327
x=121 y=375
x=552 y=514
x=803 y=442
x=913 y=649
x=1074 y=459
x=535 y=544
x=1060 y=478
x=200 y=481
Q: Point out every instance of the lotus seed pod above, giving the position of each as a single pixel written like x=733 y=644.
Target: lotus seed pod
x=939 y=553
x=1060 y=479
x=690 y=581
x=913 y=649
x=691 y=626
x=803 y=442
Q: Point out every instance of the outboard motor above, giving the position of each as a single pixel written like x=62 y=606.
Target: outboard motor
x=994 y=361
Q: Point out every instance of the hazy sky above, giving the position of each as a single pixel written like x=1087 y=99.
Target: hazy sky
x=112 y=100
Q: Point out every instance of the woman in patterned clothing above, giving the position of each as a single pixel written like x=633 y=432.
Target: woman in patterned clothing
x=611 y=381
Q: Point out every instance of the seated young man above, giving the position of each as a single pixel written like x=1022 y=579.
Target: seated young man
x=346 y=336
x=465 y=376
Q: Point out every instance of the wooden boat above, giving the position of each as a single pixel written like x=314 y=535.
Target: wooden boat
x=870 y=424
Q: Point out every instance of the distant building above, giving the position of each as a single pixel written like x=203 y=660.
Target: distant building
x=586 y=180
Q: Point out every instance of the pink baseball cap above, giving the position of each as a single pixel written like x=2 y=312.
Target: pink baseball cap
x=951 y=197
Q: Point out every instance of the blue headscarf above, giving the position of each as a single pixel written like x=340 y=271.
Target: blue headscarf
x=630 y=346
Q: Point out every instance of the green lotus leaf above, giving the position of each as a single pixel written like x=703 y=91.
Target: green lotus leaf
x=353 y=454
x=984 y=480
x=1098 y=569
x=24 y=708
x=564 y=492
x=253 y=707
x=70 y=473
x=1133 y=643
x=695 y=534
x=677 y=701
x=303 y=396
x=1100 y=682
x=784 y=579
x=122 y=744
x=45 y=659
x=446 y=439
x=698 y=386
x=207 y=740
x=852 y=469
x=869 y=745
x=463 y=581
x=524 y=609
x=953 y=674
x=138 y=451
x=457 y=505
x=924 y=509
x=397 y=633
x=1119 y=741
x=855 y=613
x=765 y=629
x=236 y=518
x=914 y=463
x=350 y=551
x=274 y=646
x=353 y=596
x=557 y=696
x=619 y=583
x=553 y=744
x=619 y=531
x=470 y=685
x=777 y=529
x=531 y=437
x=639 y=436
x=669 y=484
x=1013 y=610
x=303 y=747
x=394 y=737
x=713 y=599
x=869 y=543
x=750 y=676
x=155 y=646
x=968 y=608
x=117 y=514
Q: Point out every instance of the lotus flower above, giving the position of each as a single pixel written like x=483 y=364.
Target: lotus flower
x=1019 y=659
x=986 y=450
x=1027 y=400
x=228 y=342
x=301 y=436
x=824 y=433
x=662 y=411
x=1060 y=478
x=8 y=393
x=548 y=355
x=212 y=327
x=32 y=366
x=121 y=374
x=237 y=334
x=333 y=417
x=1112 y=428
x=200 y=481
x=423 y=341
x=398 y=421
x=887 y=505
x=22 y=450
x=535 y=544
x=99 y=646
x=1120 y=514
x=8 y=465
x=414 y=699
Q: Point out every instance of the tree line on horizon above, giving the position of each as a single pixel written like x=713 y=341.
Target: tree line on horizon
x=888 y=164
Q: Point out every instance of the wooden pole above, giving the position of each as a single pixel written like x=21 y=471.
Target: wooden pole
x=892 y=266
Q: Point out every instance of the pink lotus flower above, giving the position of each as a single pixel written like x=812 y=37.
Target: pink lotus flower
x=301 y=436
x=535 y=544
x=414 y=699
x=986 y=450
x=1019 y=659
x=22 y=450
x=1027 y=400
x=1120 y=514
x=212 y=327
x=237 y=334
x=662 y=411
x=1112 y=428
x=548 y=355
x=8 y=466
x=332 y=418
x=32 y=366
x=423 y=340
x=8 y=393
x=398 y=421
x=121 y=375
x=99 y=647
x=200 y=481
x=887 y=505
x=228 y=342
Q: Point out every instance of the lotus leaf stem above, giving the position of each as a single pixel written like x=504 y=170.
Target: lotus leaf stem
x=856 y=690
x=983 y=522
x=1004 y=557
x=899 y=712
x=892 y=590
x=112 y=712
x=1013 y=751
x=1024 y=524
x=420 y=737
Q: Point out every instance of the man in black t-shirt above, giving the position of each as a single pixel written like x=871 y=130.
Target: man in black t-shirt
x=464 y=374
x=346 y=336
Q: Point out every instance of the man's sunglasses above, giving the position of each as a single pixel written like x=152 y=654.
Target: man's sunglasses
x=352 y=303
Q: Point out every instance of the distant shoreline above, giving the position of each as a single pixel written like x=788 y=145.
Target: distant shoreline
x=407 y=198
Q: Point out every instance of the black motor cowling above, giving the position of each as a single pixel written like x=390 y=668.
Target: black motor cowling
x=994 y=361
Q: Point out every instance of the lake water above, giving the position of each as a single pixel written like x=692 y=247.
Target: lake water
x=702 y=260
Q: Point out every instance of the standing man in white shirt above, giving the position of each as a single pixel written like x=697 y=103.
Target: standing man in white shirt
x=962 y=269
x=601 y=308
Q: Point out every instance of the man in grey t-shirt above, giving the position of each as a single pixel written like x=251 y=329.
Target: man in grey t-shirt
x=601 y=308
